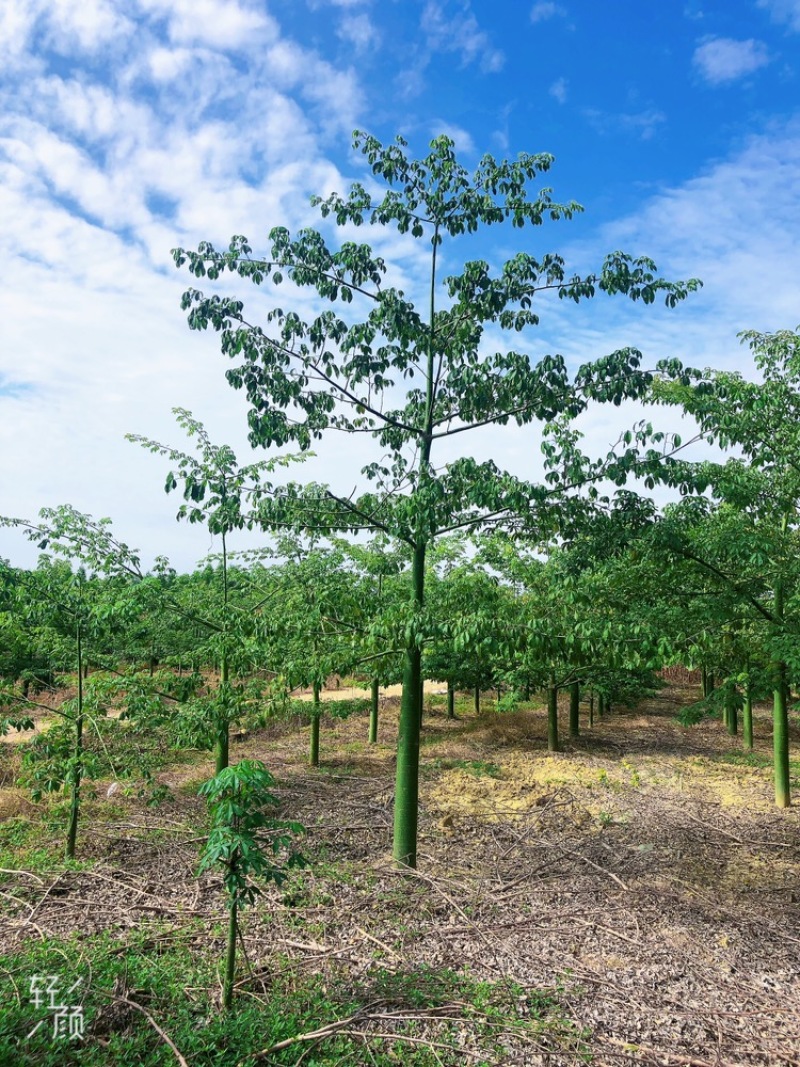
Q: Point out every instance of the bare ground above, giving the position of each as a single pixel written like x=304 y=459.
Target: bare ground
x=642 y=877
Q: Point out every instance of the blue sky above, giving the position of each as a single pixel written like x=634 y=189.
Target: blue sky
x=127 y=128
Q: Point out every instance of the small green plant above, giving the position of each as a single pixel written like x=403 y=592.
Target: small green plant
x=236 y=797
x=509 y=702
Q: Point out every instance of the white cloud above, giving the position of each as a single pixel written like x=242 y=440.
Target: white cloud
x=360 y=31
x=787 y=11
x=558 y=90
x=218 y=23
x=736 y=227
x=721 y=59
x=460 y=33
x=66 y=26
x=644 y=124
x=545 y=9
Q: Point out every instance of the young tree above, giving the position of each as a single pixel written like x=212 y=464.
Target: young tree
x=414 y=379
x=758 y=562
x=221 y=495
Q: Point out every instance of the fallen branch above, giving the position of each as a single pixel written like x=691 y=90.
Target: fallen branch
x=164 y=1037
x=311 y=1035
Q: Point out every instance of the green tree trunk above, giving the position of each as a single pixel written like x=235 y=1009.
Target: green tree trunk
x=731 y=711
x=77 y=759
x=316 y=714
x=780 y=711
x=406 y=797
x=373 y=714
x=574 y=709
x=222 y=748
x=230 y=956
x=780 y=738
x=477 y=700
x=704 y=681
x=601 y=704
x=552 y=719
x=747 y=718
x=451 y=701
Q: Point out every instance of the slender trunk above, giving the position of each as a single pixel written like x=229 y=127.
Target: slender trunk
x=591 y=709
x=574 y=709
x=406 y=793
x=731 y=711
x=704 y=681
x=77 y=758
x=780 y=713
x=552 y=718
x=373 y=714
x=780 y=738
x=406 y=797
x=222 y=749
x=230 y=956
x=601 y=704
x=712 y=682
x=747 y=717
x=477 y=700
x=313 y=757
x=451 y=701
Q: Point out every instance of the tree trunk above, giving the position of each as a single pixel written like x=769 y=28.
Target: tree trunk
x=406 y=796
x=574 y=709
x=552 y=719
x=591 y=710
x=477 y=700
x=230 y=956
x=780 y=712
x=780 y=738
x=313 y=756
x=451 y=701
x=731 y=711
x=747 y=718
x=704 y=681
x=77 y=759
x=373 y=714
x=223 y=719
x=601 y=705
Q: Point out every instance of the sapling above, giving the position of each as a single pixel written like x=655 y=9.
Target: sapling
x=246 y=842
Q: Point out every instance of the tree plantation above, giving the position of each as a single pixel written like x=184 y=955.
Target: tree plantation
x=461 y=766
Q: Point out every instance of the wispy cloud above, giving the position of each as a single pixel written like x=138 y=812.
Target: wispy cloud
x=721 y=60
x=558 y=90
x=643 y=124
x=460 y=32
x=359 y=31
x=546 y=9
x=784 y=11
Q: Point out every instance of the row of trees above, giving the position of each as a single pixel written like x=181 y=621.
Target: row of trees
x=371 y=363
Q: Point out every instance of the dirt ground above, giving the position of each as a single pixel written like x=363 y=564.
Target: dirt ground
x=642 y=876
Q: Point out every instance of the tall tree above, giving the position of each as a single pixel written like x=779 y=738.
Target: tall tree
x=414 y=379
